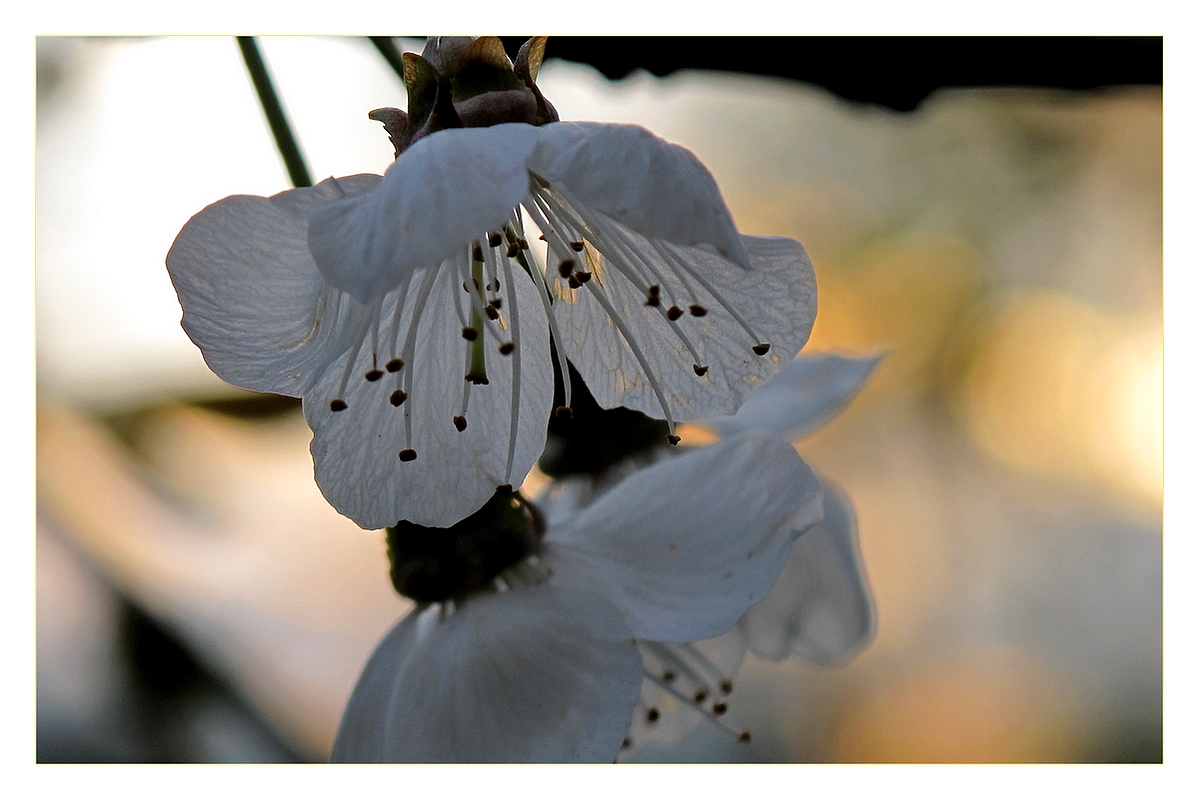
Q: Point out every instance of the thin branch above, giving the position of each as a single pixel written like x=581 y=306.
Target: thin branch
x=289 y=148
x=391 y=54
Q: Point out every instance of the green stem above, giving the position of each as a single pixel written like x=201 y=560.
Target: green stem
x=478 y=366
x=289 y=148
x=391 y=54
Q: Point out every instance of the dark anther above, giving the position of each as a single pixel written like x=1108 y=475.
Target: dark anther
x=563 y=412
x=490 y=311
x=477 y=252
x=395 y=365
x=672 y=439
x=744 y=737
x=576 y=246
x=720 y=708
x=701 y=695
x=668 y=676
x=494 y=239
x=762 y=349
x=374 y=375
x=338 y=405
x=513 y=249
x=460 y=423
x=504 y=488
x=700 y=371
x=477 y=381
x=698 y=311
x=470 y=334
x=408 y=455
x=626 y=744
x=583 y=276
x=524 y=243
x=653 y=300
x=573 y=282
x=726 y=687
x=497 y=302
x=566 y=267
x=506 y=348
x=652 y=715
x=398 y=397
x=674 y=313
x=655 y=289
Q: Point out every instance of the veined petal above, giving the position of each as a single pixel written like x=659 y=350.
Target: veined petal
x=656 y=188
x=687 y=545
x=773 y=303
x=821 y=609
x=454 y=472
x=251 y=292
x=442 y=193
x=807 y=393
x=536 y=674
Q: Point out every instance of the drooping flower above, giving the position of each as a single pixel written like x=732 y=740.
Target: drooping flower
x=820 y=609
x=410 y=314
x=539 y=662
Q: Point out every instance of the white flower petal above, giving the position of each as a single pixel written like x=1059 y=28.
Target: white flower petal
x=821 y=609
x=535 y=674
x=356 y=451
x=807 y=393
x=441 y=194
x=656 y=188
x=687 y=545
x=776 y=299
x=250 y=289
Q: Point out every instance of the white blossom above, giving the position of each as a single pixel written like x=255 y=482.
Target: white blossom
x=410 y=315
x=546 y=667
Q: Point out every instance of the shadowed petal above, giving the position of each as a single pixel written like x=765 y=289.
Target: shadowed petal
x=250 y=290
x=821 y=609
x=656 y=188
x=776 y=299
x=444 y=192
x=686 y=546
x=810 y=391
x=356 y=451
x=535 y=674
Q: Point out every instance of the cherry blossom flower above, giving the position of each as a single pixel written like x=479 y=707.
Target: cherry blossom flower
x=820 y=610
x=414 y=316
x=541 y=662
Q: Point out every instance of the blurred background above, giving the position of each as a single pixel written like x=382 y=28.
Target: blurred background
x=197 y=599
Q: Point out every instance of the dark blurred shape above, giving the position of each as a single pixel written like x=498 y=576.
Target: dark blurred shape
x=896 y=72
x=590 y=439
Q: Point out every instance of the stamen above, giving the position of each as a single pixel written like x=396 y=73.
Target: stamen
x=680 y=265
x=632 y=343
x=408 y=351
x=716 y=719
x=513 y=349
x=544 y=294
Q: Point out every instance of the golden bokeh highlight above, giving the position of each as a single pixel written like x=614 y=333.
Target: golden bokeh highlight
x=1061 y=389
x=978 y=707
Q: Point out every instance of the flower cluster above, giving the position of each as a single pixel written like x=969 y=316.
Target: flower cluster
x=507 y=270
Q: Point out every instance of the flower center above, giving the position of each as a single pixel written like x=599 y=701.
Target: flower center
x=431 y=565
